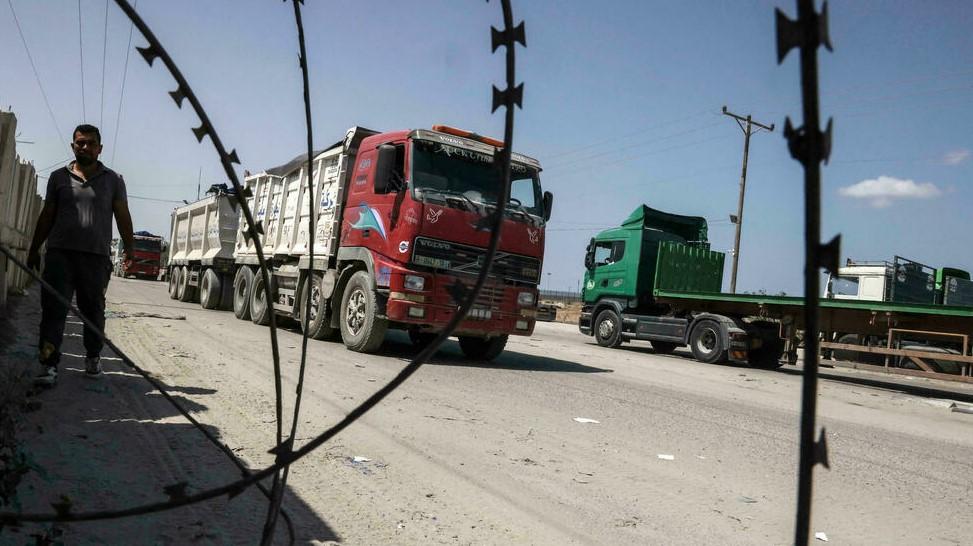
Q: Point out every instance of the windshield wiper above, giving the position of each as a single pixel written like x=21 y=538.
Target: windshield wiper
x=452 y=193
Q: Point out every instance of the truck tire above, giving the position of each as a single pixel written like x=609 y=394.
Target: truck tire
x=845 y=354
x=174 y=283
x=706 y=342
x=362 y=330
x=226 y=295
x=319 y=326
x=664 y=347
x=478 y=348
x=260 y=306
x=608 y=328
x=210 y=290
x=185 y=290
x=242 y=284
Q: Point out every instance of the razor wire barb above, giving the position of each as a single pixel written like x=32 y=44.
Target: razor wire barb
x=809 y=146
x=277 y=496
x=508 y=98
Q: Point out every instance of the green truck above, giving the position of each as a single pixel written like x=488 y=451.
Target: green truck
x=654 y=278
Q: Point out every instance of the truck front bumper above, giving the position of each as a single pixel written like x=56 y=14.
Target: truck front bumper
x=480 y=322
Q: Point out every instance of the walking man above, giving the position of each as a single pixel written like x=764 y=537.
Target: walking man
x=76 y=223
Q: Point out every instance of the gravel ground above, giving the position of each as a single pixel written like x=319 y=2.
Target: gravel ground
x=467 y=453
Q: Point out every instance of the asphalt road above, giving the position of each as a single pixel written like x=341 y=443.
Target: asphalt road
x=470 y=453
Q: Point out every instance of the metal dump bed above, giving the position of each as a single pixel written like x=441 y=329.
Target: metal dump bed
x=280 y=203
x=204 y=231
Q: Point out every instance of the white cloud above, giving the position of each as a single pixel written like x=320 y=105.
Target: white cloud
x=881 y=191
x=956 y=157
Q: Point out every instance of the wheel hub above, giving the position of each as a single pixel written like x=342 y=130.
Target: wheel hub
x=355 y=312
x=606 y=328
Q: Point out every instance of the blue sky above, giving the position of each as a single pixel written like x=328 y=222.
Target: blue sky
x=621 y=106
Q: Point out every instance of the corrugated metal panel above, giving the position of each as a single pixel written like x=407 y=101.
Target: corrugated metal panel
x=683 y=268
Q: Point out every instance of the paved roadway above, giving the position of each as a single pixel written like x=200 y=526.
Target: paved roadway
x=467 y=453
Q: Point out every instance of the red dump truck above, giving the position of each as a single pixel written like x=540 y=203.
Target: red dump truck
x=146 y=259
x=400 y=235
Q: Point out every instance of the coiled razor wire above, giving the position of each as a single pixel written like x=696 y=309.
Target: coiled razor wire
x=284 y=452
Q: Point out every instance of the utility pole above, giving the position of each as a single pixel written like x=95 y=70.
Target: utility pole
x=199 y=179
x=738 y=219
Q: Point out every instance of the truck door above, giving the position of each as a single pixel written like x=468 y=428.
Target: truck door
x=608 y=275
x=368 y=214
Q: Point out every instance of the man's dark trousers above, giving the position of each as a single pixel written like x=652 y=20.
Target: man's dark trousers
x=71 y=273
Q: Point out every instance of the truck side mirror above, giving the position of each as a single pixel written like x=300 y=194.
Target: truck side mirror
x=589 y=256
x=548 y=203
x=383 y=168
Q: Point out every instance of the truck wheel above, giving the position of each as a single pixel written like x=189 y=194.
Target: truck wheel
x=210 y=290
x=663 y=347
x=226 y=295
x=319 y=326
x=174 y=283
x=845 y=354
x=260 y=308
x=185 y=290
x=477 y=348
x=707 y=342
x=608 y=328
x=361 y=329
x=242 y=284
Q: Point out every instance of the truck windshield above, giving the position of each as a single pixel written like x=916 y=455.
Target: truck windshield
x=449 y=170
x=148 y=245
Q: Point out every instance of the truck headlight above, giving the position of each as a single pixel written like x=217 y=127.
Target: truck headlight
x=415 y=283
x=525 y=298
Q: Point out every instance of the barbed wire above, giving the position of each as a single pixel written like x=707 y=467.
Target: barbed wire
x=511 y=96
x=809 y=145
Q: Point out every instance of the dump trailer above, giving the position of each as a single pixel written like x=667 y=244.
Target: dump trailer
x=146 y=259
x=402 y=225
x=655 y=278
x=201 y=266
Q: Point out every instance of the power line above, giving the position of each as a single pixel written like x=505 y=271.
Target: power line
x=584 y=158
x=104 y=56
x=599 y=143
x=84 y=110
x=155 y=199
x=37 y=76
x=121 y=96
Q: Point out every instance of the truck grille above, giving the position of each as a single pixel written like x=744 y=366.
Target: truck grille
x=459 y=258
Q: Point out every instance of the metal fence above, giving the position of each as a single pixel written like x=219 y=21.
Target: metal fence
x=566 y=296
x=19 y=206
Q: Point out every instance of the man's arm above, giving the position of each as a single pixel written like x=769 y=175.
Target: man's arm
x=43 y=228
x=123 y=219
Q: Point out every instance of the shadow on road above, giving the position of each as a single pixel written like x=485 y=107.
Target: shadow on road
x=115 y=442
x=879 y=383
x=397 y=345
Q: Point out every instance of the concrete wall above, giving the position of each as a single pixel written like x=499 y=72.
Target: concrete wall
x=19 y=207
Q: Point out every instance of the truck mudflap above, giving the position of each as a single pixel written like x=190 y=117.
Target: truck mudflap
x=584 y=321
